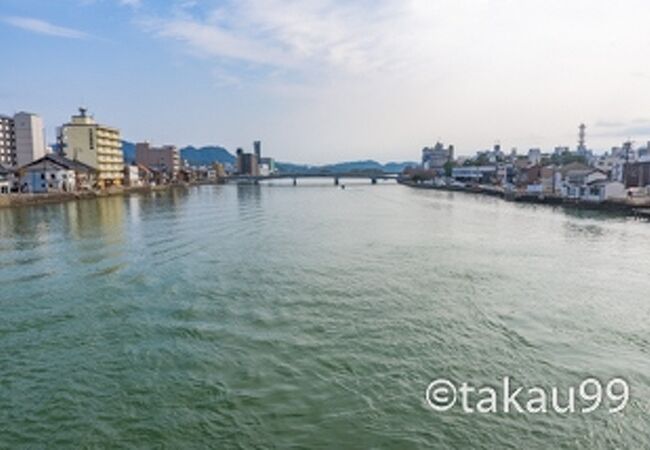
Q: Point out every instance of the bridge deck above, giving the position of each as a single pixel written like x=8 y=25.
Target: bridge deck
x=295 y=176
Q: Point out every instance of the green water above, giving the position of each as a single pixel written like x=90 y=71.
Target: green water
x=313 y=317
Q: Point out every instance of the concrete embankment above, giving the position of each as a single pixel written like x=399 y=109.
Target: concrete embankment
x=636 y=207
x=16 y=200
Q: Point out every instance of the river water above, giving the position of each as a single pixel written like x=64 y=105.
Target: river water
x=277 y=316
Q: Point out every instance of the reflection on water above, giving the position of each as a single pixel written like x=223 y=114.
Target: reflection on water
x=312 y=317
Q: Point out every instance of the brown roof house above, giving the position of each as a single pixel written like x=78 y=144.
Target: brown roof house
x=56 y=173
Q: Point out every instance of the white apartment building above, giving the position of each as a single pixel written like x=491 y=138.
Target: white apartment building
x=7 y=141
x=22 y=139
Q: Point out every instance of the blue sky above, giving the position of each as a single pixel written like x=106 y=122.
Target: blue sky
x=327 y=80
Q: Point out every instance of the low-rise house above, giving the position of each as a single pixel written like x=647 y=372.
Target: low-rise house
x=603 y=190
x=5 y=180
x=474 y=174
x=576 y=183
x=55 y=173
x=529 y=180
x=132 y=176
x=551 y=179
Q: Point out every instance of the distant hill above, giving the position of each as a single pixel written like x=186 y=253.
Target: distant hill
x=195 y=156
x=204 y=156
x=207 y=155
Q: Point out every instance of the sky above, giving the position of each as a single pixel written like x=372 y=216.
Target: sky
x=329 y=80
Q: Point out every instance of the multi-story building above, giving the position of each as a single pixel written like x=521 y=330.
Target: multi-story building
x=22 y=139
x=637 y=174
x=30 y=138
x=247 y=163
x=7 y=141
x=98 y=146
x=257 y=149
x=165 y=159
x=435 y=158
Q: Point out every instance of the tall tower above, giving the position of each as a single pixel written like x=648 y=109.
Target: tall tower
x=582 y=147
x=257 y=149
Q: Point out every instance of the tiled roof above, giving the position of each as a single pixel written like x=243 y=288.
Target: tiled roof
x=62 y=162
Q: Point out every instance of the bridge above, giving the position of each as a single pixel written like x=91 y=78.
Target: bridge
x=336 y=176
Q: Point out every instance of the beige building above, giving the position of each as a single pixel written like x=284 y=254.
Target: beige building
x=98 y=146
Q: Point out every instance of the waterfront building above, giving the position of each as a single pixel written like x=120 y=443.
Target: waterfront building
x=5 y=179
x=550 y=179
x=7 y=141
x=576 y=182
x=22 y=139
x=530 y=179
x=474 y=174
x=247 y=163
x=267 y=166
x=436 y=158
x=220 y=170
x=55 y=173
x=30 y=138
x=132 y=175
x=602 y=190
x=637 y=175
x=98 y=146
x=165 y=159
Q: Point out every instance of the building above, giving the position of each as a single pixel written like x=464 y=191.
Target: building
x=132 y=175
x=220 y=170
x=22 y=139
x=437 y=157
x=534 y=156
x=30 y=138
x=247 y=163
x=257 y=150
x=55 y=173
x=5 y=179
x=7 y=141
x=474 y=174
x=98 y=146
x=165 y=159
x=601 y=190
x=637 y=175
x=576 y=182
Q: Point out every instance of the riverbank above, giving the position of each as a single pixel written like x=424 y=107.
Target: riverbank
x=18 y=200
x=639 y=209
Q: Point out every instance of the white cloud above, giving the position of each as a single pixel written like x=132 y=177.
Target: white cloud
x=43 y=27
x=131 y=3
x=393 y=73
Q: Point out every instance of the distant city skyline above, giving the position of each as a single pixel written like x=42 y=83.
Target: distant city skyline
x=320 y=81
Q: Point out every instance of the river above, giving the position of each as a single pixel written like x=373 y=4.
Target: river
x=276 y=316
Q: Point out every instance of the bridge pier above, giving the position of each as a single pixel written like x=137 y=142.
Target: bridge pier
x=336 y=181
